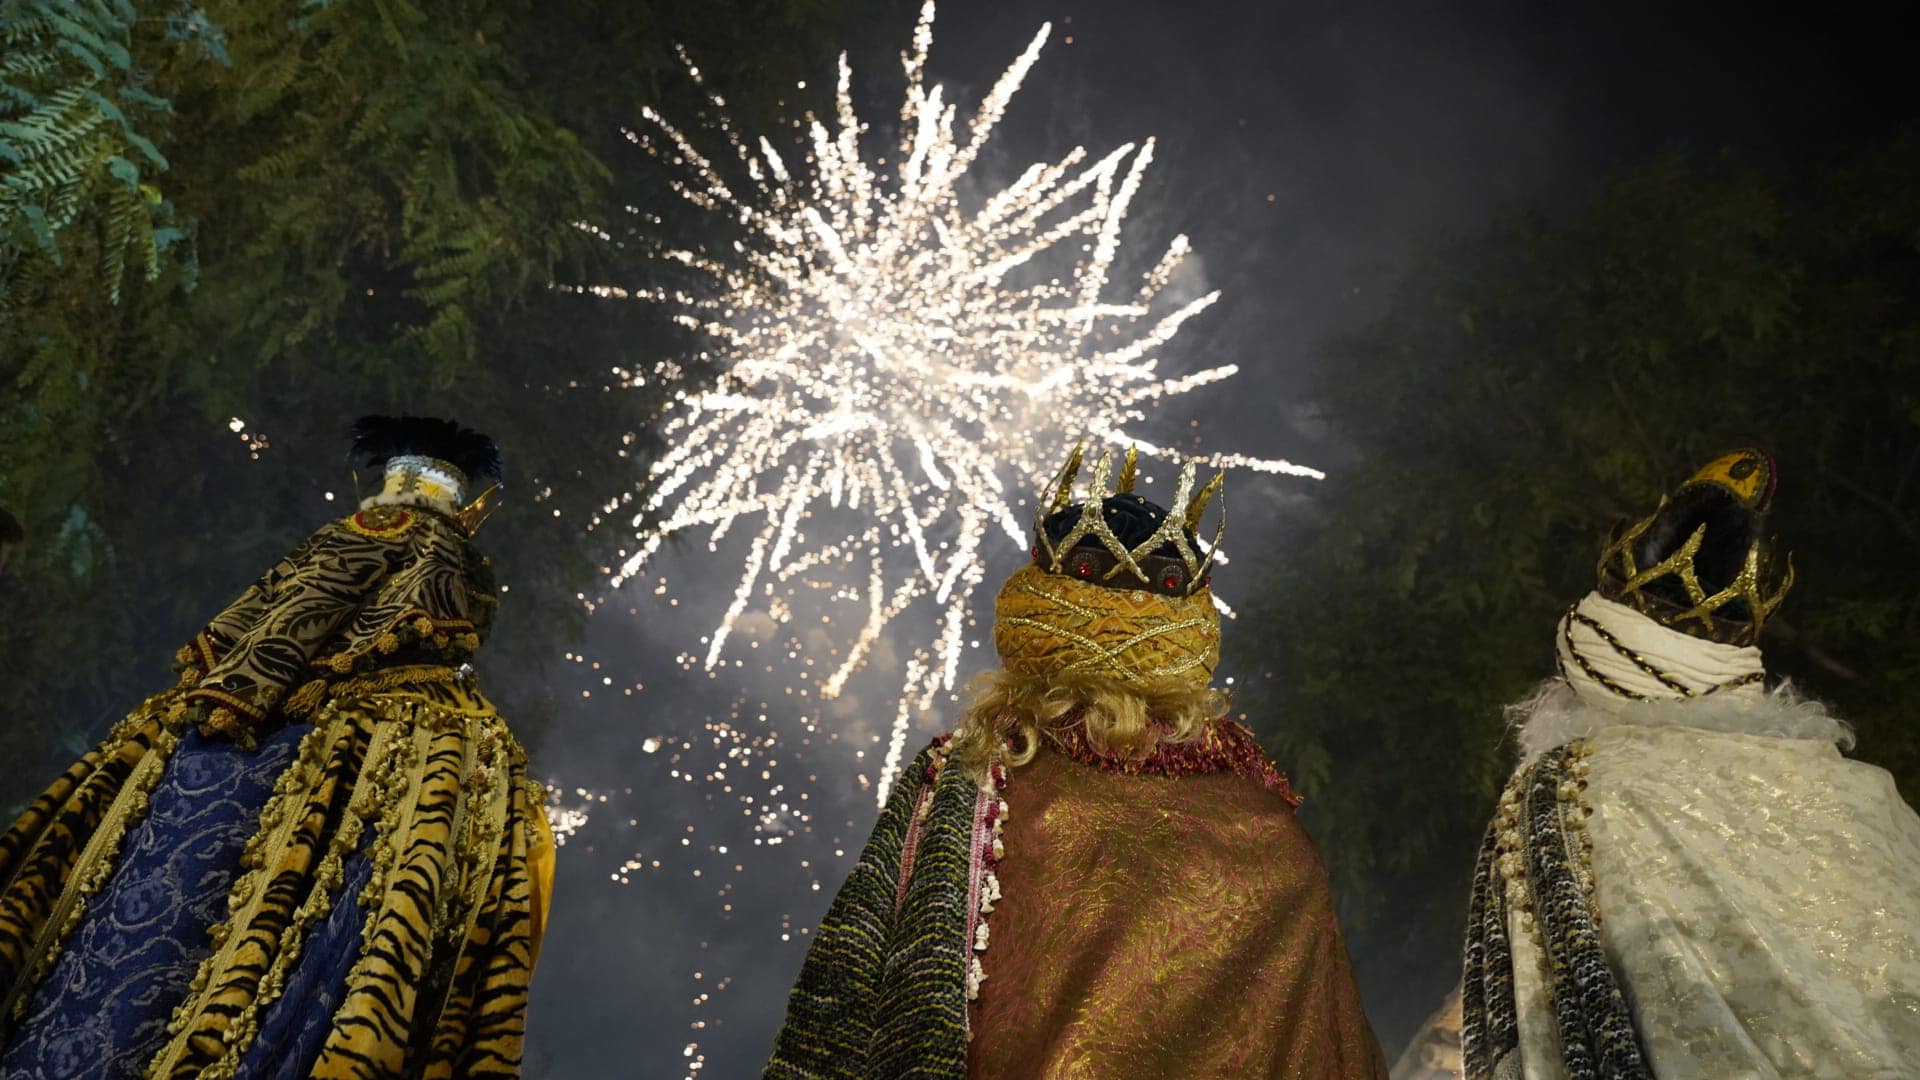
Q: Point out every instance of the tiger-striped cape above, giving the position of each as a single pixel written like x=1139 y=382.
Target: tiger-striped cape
x=349 y=882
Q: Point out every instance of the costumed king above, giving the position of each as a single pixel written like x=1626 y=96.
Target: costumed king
x=319 y=854
x=1685 y=878
x=1155 y=908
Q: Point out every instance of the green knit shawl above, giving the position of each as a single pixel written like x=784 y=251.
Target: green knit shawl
x=883 y=992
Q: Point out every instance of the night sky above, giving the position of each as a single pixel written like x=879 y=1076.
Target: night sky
x=1307 y=149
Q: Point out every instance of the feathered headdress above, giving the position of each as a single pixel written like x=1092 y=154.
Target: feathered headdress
x=430 y=463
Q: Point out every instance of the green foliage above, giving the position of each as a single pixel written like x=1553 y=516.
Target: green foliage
x=72 y=105
x=378 y=194
x=1531 y=385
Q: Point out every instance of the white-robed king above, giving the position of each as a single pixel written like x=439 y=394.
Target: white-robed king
x=1685 y=876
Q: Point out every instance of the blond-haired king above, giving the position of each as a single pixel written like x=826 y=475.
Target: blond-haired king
x=1097 y=874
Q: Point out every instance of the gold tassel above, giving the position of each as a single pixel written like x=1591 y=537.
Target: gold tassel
x=306 y=699
x=223 y=722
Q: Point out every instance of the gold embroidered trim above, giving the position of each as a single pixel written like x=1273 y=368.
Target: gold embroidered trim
x=1574 y=812
x=1510 y=827
x=311 y=695
x=1510 y=846
x=95 y=865
x=277 y=823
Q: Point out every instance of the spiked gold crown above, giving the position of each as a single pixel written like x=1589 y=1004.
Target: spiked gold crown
x=1091 y=550
x=1732 y=494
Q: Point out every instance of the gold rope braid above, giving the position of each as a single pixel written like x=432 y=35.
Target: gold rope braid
x=1640 y=662
x=1566 y=634
x=376 y=777
x=1108 y=656
x=310 y=696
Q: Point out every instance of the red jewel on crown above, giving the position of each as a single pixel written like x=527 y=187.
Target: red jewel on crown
x=1171 y=581
x=1083 y=566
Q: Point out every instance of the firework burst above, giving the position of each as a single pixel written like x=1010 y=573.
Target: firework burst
x=898 y=361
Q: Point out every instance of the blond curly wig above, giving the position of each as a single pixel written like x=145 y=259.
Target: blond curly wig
x=1008 y=715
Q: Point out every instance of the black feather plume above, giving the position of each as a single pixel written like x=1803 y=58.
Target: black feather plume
x=379 y=438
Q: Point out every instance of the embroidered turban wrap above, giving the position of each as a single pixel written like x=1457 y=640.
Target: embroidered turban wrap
x=1050 y=624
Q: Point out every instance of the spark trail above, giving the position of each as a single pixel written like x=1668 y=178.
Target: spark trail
x=899 y=360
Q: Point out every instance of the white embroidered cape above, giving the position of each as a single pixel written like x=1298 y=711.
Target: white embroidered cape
x=1760 y=893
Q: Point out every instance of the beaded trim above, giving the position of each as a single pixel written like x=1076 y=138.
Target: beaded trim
x=381 y=522
x=1225 y=747
x=454 y=639
x=1510 y=830
x=937 y=754
x=1537 y=862
x=983 y=892
x=1166 y=575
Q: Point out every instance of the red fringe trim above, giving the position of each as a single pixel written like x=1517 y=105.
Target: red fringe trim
x=1226 y=747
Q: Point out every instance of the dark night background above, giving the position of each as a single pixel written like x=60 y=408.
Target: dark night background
x=1504 y=270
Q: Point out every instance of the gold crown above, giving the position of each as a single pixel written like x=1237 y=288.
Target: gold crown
x=1180 y=574
x=1747 y=475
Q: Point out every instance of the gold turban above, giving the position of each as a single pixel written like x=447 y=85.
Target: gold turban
x=1050 y=625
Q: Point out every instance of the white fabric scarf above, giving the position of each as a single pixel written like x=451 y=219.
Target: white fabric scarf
x=1699 y=665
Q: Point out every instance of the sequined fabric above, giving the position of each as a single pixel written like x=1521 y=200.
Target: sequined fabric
x=883 y=989
x=1762 y=903
x=1162 y=926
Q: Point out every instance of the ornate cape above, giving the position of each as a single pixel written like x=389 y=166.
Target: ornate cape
x=1166 y=917
x=1744 y=906
x=352 y=885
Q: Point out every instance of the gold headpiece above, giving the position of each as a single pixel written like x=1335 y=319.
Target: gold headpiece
x=1090 y=606
x=430 y=463
x=1114 y=563
x=1743 y=484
